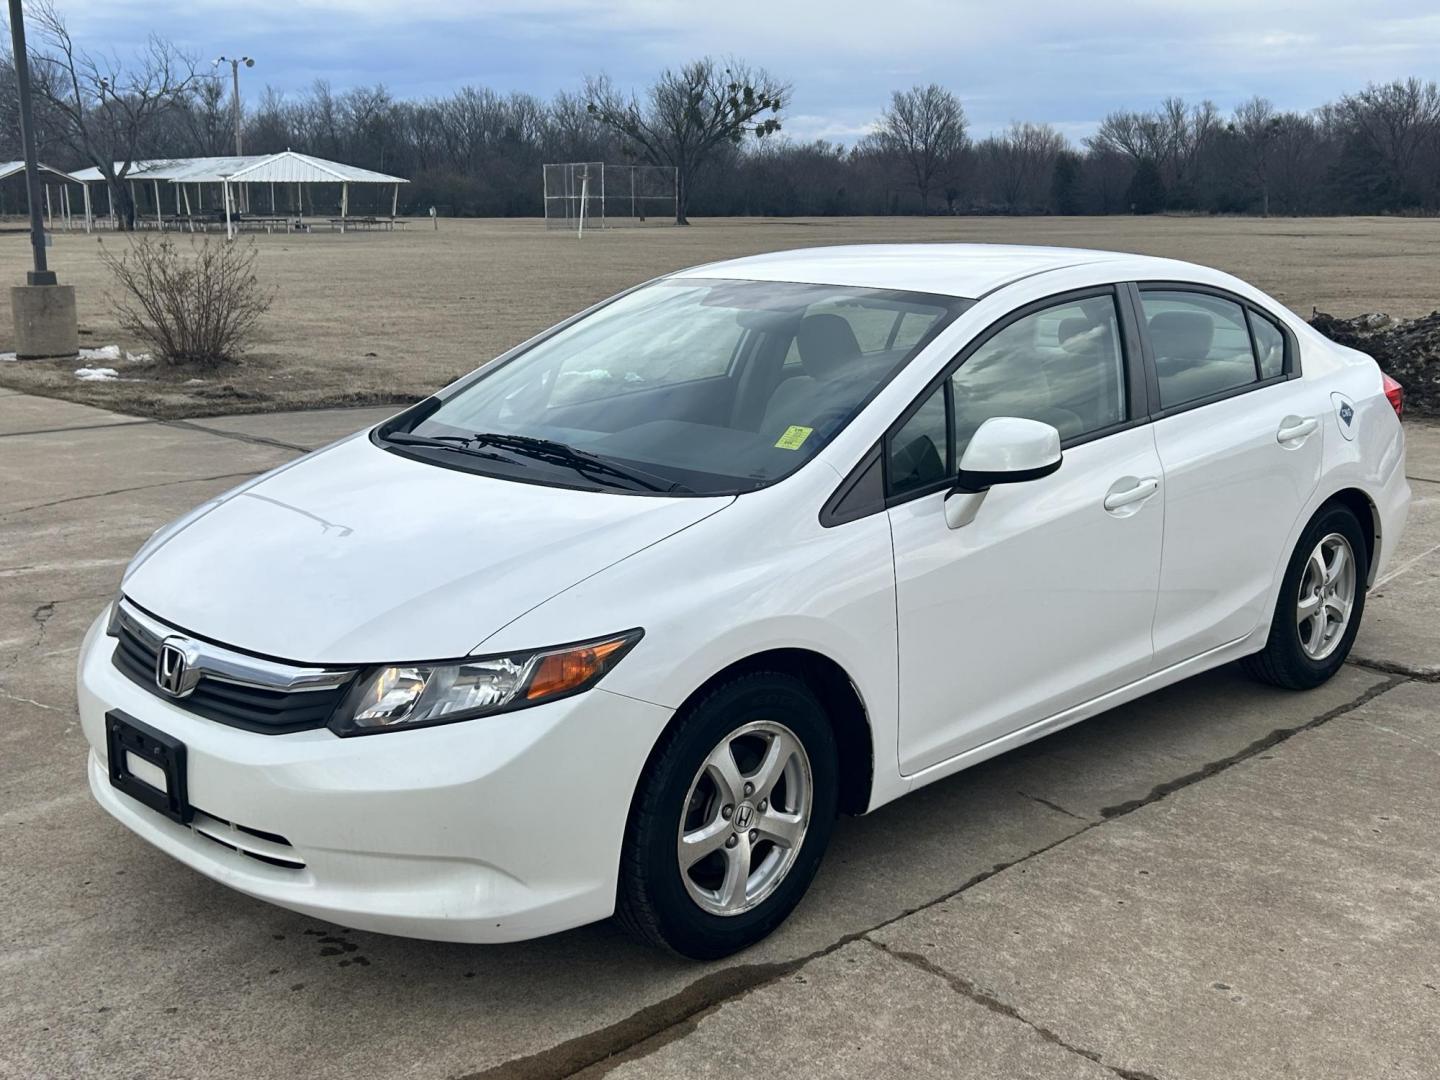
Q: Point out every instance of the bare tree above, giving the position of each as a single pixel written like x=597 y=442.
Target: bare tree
x=1398 y=120
x=1135 y=135
x=1256 y=127
x=206 y=119
x=1020 y=161
x=1298 y=162
x=574 y=131
x=1188 y=132
x=105 y=109
x=688 y=114
x=924 y=129
x=271 y=126
x=1174 y=138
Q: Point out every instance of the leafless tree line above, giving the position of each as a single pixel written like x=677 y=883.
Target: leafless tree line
x=479 y=152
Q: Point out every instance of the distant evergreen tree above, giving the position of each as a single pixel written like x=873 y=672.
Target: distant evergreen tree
x=1146 y=193
x=1360 y=182
x=1065 y=183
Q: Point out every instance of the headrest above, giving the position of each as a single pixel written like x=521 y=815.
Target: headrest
x=826 y=344
x=1182 y=335
x=1080 y=336
x=1074 y=326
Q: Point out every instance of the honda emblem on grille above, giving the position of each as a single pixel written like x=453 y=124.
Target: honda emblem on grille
x=175 y=670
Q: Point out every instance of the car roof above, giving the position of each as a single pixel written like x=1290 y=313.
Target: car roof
x=964 y=270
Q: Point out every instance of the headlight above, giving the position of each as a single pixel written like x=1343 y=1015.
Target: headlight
x=419 y=695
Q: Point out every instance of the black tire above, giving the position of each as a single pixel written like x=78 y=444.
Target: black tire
x=1283 y=662
x=653 y=903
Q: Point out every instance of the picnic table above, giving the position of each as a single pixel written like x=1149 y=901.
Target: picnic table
x=268 y=222
x=368 y=222
x=215 y=219
x=192 y=222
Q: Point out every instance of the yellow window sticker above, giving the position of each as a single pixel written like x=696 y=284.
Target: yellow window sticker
x=794 y=437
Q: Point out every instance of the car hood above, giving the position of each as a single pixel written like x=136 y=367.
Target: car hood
x=357 y=555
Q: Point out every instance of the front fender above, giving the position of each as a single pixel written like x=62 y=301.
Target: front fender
x=741 y=583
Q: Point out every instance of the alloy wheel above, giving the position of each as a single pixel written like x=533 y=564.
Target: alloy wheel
x=1327 y=596
x=745 y=818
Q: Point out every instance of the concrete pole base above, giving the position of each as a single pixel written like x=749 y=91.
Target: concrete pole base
x=45 y=323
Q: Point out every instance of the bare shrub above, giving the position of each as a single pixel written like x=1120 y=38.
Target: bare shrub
x=197 y=307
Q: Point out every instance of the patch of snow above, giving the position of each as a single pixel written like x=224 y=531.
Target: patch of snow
x=105 y=352
x=7 y=357
x=138 y=357
x=96 y=374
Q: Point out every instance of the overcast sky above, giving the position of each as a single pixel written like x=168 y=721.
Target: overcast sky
x=1054 y=60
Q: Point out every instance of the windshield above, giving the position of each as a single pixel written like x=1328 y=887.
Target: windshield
x=686 y=386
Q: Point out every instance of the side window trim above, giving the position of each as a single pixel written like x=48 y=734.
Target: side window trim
x=1143 y=395
x=1250 y=318
x=1290 y=370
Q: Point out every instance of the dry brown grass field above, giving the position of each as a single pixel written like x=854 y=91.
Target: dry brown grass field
x=379 y=317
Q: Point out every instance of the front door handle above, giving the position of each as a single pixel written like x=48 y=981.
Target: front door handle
x=1295 y=428
x=1138 y=491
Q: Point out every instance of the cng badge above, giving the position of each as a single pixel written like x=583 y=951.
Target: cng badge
x=1344 y=415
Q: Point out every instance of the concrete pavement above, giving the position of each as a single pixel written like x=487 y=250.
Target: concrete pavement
x=1163 y=891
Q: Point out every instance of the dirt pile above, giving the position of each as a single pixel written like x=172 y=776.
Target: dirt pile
x=1406 y=349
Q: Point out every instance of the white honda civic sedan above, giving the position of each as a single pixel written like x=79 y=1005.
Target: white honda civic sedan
x=620 y=621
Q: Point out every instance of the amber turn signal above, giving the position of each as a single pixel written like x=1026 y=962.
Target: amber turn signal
x=560 y=672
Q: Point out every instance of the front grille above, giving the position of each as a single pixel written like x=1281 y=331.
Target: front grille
x=253 y=708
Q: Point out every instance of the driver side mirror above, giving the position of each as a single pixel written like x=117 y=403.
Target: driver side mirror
x=1004 y=450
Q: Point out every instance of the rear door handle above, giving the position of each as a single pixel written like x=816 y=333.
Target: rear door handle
x=1293 y=428
x=1139 y=491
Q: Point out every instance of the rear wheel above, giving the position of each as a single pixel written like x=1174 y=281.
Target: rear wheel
x=731 y=818
x=1321 y=601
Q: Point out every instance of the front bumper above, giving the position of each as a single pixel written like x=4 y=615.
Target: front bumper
x=487 y=830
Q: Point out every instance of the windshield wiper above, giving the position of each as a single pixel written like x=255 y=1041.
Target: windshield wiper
x=459 y=444
x=558 y=453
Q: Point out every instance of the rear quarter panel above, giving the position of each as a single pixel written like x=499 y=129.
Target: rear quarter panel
x=1373 y=461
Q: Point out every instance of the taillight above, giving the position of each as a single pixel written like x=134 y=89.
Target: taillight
x=1395 y=394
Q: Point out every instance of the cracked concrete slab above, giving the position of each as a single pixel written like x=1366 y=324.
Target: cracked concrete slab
x=38 y=471
x=1112 y=760
x=1271 y=921
x=861 y=1013
x=25 y=412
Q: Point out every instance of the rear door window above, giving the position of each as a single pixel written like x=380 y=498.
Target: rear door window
x=1201 y=344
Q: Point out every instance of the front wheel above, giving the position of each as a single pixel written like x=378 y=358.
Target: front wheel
x=1322 y=598
x=731 y=818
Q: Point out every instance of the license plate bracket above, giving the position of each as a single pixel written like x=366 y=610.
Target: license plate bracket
x=124 y=736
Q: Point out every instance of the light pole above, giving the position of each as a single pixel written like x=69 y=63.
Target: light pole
x=41 y=275
x=235 y=63
x=43 y=311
